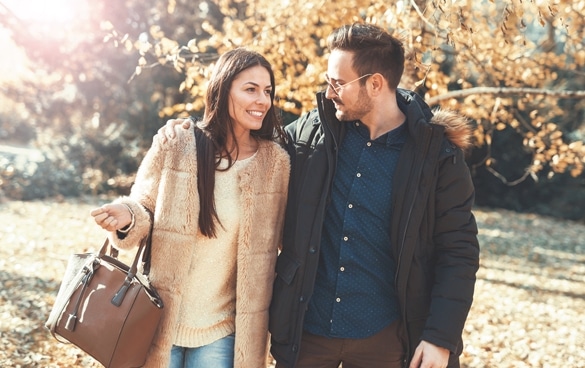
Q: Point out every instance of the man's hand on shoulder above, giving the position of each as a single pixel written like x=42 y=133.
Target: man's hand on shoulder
x=428 y=355
x=167 y=131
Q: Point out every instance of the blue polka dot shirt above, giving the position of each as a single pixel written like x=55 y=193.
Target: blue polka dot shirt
x=354 y=295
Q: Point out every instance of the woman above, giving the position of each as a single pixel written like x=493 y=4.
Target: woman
x=218 y=193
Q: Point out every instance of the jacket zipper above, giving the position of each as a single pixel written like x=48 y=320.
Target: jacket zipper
x=411 y=208
x=403 y=241
x=331 y=160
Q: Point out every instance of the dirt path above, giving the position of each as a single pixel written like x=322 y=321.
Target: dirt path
x=528 y=308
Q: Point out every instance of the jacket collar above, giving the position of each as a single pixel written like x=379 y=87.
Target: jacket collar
x=411 y=104
x=418 y=113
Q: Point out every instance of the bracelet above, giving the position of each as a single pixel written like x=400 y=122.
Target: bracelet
x=128 y=227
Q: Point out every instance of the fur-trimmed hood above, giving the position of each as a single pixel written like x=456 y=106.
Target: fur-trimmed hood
x=457 y=127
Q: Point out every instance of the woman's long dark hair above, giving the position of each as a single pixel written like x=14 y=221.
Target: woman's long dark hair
x=211 y=134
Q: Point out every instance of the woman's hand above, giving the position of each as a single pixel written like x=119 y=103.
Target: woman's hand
x=112 y=217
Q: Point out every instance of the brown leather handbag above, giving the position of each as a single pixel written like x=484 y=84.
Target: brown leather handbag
x=107 y=309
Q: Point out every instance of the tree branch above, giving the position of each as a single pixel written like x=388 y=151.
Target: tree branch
x=509 y=183
x=505 y=91
x=422 y=17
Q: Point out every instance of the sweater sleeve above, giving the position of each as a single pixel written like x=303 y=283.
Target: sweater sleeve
x=142 y=196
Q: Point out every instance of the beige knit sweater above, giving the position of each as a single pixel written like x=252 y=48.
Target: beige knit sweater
x=166 y=183
x=208 y=308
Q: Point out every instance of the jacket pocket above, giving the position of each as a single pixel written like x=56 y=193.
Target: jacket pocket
x=418 y=308
x=283 y=309
x=286 y=268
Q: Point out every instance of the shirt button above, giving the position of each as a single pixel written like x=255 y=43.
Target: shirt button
x=345 y=238
x=369 y=144
x=359 y=175
x=338 y=300
x=341 y=268
x=357 y=123
x=350 y=205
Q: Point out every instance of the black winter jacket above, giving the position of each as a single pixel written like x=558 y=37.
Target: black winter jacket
x=433 y=231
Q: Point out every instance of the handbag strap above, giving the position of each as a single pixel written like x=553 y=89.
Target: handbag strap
x=148 y=250
x=142 y=255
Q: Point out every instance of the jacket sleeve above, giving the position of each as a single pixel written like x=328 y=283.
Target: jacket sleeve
x=142 y=196
x=300 y=132
x=456 y=255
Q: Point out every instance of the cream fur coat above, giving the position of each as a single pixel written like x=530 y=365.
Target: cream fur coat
x=166 y=183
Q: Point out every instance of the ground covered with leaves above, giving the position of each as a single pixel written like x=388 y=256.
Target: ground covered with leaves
x=528 y=308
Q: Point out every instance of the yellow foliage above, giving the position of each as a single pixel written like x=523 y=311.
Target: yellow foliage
x=451 y=45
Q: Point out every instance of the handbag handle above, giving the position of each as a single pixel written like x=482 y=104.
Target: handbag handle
x=143 y=254
x=148 y=249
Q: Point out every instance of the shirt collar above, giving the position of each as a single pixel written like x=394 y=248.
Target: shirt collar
x=395 y=136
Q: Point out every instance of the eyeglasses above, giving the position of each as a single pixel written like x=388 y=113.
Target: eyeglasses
x=336 y=87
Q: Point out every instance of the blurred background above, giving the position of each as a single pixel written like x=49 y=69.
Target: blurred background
x=84 y=84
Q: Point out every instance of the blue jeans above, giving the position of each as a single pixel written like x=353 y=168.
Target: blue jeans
x=218 y=354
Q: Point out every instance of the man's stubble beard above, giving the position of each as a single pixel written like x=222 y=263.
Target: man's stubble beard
x=362 y=107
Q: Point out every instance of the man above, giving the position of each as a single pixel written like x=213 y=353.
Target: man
x=380 y=249
x=380 y=246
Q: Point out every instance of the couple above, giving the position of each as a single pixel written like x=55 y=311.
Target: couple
x=379 y=246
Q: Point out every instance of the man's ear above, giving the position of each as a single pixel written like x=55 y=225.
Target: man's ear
x=377 y=84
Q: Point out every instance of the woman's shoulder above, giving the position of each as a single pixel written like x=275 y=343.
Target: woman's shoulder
x=273 y=159
x=183 y=139
x=185 y=135
x=273 y=149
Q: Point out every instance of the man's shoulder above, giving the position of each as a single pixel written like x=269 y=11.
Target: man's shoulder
x=306 y=121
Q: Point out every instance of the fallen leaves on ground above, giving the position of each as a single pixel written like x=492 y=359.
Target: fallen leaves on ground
x=527 y=312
